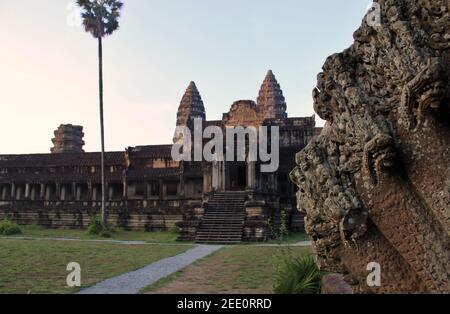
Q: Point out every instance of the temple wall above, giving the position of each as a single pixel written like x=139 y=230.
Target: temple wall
x=130 y=215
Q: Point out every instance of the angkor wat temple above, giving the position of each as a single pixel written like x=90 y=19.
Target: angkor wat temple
x=147 y=190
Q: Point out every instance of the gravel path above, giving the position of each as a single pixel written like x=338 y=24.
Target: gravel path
x=132 y=283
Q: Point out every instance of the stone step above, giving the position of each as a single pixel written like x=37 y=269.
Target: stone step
x=224 y=218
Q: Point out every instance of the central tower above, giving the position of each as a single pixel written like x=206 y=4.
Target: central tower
x=271 y=102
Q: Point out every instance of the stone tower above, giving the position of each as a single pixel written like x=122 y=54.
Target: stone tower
x=271 y=102
x=191 y=106
x=68 y=139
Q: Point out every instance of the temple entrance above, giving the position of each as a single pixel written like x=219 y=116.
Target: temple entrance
x=237 y=176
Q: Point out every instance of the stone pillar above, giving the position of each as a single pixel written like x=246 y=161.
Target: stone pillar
x=149 y=189
x=33 y=192
x=125 y=189
x=182 y=190
x=78 y=192
x=94 y=193
x=47 y=193
x=42 y=192
x=74 y=191
x=215 y=176
x=90 y=192
x=206 y=182
x=161 y=189
x=251 y=175
x=58 y=191
x=63 y=191
x=111 y=191
x=27 y=191
x=13 y=191
x=164 y=190
x=18 y=193
x=4 y=192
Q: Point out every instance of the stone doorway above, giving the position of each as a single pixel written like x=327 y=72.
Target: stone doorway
x=237 y=176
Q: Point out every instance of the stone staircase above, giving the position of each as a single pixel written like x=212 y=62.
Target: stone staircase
x=224 y=218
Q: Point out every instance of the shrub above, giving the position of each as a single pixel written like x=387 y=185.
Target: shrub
x=106 y=233
x=175 y=230
x=297 y=275
x=284 y=231
x=9 y=228
x=95 y=226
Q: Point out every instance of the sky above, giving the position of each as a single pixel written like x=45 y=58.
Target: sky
x=48 y=64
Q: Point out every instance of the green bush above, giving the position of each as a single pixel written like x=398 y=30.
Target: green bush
x=284 y=231
x=9 y=228
x=297 y=275
x=95 y=226
x=175 y=230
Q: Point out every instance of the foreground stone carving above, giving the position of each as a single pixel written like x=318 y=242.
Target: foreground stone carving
x=375 y=185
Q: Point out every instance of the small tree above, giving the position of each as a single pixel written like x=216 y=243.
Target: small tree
x=100 y=19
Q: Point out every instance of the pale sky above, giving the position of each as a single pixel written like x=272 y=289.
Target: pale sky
x=48 y=66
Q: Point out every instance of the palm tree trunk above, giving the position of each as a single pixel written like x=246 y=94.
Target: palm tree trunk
x=102 y=130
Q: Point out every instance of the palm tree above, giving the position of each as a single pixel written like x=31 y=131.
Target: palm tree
x=101 y=18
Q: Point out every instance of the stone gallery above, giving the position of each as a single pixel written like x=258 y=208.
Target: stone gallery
x=375 y=185
x=219 y=202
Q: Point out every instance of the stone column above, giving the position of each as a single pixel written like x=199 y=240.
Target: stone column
x=215 y=176
x=94 y=193
x=149 y=190
x=74 y=191
x=78 y=192
x=251 y=175
x=58 y=191
x=47 y=192
x=42 y=192
x=33 y=192
x=27 y=191
x=13 y=191
x=182 y=190
x=125 y=189
x=161 y=190
x=63 y=191
x=18 y=193
x=206 y=183
x=90 y=191
x=222 y=176
x=3 y=192
x=110 y=191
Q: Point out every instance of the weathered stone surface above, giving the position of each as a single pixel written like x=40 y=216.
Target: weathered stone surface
x=271 y=102
x=191 y=106
x=68 y=139
x=335 y=284
x=375 y=185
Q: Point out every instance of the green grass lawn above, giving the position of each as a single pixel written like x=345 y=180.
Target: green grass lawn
x=291 y=239
x=232 y=270
x=118 y=234
x=29 y=266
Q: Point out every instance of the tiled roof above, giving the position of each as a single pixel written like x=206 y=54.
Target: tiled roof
x=59 y=177
x=58 y=160
x=149 y=174
x=151 y=151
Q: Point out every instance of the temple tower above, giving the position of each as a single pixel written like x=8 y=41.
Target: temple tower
x=68 y=139
x=271 y=102
x=191 y=106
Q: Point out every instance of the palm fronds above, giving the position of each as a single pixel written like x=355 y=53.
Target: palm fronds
x=297 y=275
x=100 y=17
